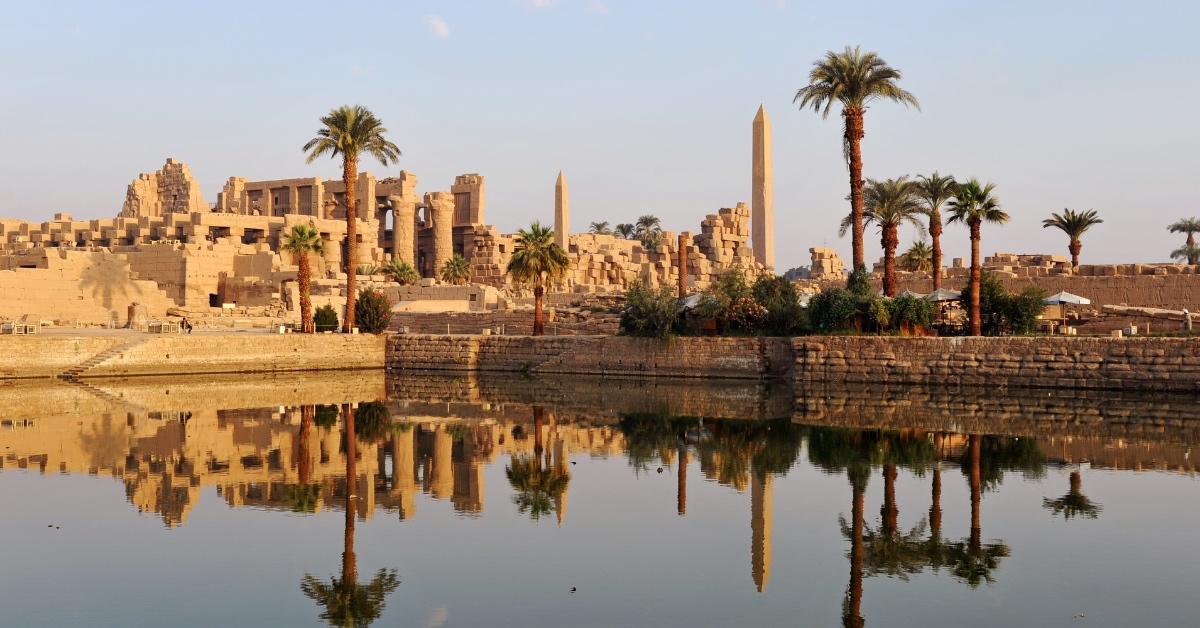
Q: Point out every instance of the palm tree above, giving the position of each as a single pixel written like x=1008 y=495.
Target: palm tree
x=401 y=272
x=935 y=190
x=1188 y=252
x=1074 y=503
x=537 y=261
x=1074 y=224
x=300 y=241
x=889 y=204
x=648 y=229
x=974 y=562
x=625 y=230
x=919 y=258
x=855 y=79
x=1190 y=226
x=456 y=270
x=345 y=601
x=537 y=485
x=974 y=204
x=350 y=131
x=600 y=228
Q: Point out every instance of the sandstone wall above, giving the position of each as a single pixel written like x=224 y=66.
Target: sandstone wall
x=594 y=355
x=515 y=322
x=248 y=353
x=48 y=356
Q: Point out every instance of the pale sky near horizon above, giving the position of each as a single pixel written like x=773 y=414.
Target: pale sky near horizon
x=646 y=105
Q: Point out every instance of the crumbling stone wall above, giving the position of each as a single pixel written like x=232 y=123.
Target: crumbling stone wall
x=170 y=190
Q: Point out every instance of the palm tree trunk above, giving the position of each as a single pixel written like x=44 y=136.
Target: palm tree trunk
x=349 y=563
x=539 y=415
x=935 y=235
x=538 y=323
x=681 y=480
x=304 y=278
x=1075 y=248
x=890 y=241
x=976 y=280
x=350 y=178
x=890 y=512
x=976 y=486
x=852 y=609
x=304 y=445
x=853 y=134
x=935 y=504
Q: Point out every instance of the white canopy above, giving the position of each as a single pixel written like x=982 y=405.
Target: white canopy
x=910 y=293
x=942 y=294
x=1066 y=298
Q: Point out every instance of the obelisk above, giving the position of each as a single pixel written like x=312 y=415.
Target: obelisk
x=762 y=198
x=562 y=211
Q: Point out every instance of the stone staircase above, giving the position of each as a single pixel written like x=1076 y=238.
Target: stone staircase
x=106 y=395
x=74 y=372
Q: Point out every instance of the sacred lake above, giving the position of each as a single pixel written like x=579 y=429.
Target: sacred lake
x=469 y=499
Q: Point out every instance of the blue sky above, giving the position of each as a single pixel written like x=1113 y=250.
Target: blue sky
x=645 y=104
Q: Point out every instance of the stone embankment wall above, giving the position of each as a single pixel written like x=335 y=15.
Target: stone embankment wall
x=515 y=322
x=1100 y=363
x=595 y=355
x=118 y=356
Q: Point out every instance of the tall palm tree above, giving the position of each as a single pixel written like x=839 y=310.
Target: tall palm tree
x=537 y=261
x=625 y=230
x=888 y=204
x=300 y=241
x=919 y=258
x=1074 y=224
x=345 y=601
x=648 y=229
x=854 y=79
x=350 y=131
x=456 y=270
x=935 y=190
x=974 y=204
x=600 y=228
x=1190 y=226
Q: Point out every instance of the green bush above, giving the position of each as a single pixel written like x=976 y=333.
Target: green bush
x=832 y=310
x=401 y=272
x=910 y=310
x=1003 y=312
x=725 y=301
x=325 y=318
x=367 y=270
x=372 y=421
x=784 y=315
x=648 y=312
x=372 y=311
x=326 y=416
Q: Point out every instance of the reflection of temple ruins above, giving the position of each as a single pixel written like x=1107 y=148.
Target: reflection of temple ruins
x=168 y=247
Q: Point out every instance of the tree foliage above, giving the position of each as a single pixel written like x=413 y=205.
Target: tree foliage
x=649 y=312
x=1003 y=312
x=325 y=318
x=374 y=311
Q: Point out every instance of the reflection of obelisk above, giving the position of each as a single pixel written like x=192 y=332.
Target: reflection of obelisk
x=560 y=466
x=762 y=197
x=760 y=526
x=562 y=211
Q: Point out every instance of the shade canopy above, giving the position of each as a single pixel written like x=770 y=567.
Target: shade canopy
x=942 y=294
x=910 y=293
x=1066 y=298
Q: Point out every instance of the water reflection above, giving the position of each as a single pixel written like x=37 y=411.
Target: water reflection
x=438 y=437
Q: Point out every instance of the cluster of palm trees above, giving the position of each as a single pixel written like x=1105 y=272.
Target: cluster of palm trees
x=647 y=229
x=1189 y=252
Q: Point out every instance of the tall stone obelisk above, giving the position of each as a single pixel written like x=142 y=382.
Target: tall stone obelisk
x=762 y=198
x=562 y=211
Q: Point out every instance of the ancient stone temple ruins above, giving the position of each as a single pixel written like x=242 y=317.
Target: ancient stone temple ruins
x=168 y=247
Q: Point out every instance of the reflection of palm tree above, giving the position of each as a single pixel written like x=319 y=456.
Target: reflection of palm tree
x=346 y=602
x=888 y=551
x=974 y=562
x=536 y=485
x=304 y=495
x=935 y=548
x=1074 y=503
x=852 y=603
x=105 y=445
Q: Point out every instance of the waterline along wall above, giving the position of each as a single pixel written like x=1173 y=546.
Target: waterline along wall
x=1102 y=363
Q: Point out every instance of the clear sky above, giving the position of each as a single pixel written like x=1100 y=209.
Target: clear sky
x=646 y=105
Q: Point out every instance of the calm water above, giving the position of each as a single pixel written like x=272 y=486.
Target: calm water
x=524 y=502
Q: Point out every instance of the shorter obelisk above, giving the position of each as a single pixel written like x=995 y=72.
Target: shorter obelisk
x=562 y=211
x=762 y=199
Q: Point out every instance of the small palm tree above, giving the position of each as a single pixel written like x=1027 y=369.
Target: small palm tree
x=1188 y=252
x=600 y=228
x=889 y=204
x=300 y=242
x=974 y=204
x=1074 y=224
x=854 y=79
x=350 y=131
x=537 y=261
x=1074 y=503
x=648 y=229
x=456 y=270
x=1190 y=226
x=401 y=272
x=918 y=257
x=625 y=230
x=935 y=190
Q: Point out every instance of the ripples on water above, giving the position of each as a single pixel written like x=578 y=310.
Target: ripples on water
x=507 y=501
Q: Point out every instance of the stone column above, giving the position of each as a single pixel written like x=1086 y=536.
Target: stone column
x=562 y=212
x=404 y=219
x=441 y=211
x=762 y=199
